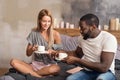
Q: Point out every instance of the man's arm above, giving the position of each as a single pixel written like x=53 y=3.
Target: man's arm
x=77 y=53
x=106 y=59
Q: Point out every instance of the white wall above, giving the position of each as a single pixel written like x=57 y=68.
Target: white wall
x=17 y=17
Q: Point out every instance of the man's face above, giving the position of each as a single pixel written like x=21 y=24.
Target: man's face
x=85 y=30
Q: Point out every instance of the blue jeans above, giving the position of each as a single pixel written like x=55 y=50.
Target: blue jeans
x=91 y=75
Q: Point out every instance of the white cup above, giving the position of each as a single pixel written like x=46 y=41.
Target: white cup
x=62 y=55
x=41 y=48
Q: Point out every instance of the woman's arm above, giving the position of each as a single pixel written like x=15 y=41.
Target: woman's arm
x=57 y=38
x=30 y=49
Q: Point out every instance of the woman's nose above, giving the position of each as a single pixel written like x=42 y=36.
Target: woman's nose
x=47 y=23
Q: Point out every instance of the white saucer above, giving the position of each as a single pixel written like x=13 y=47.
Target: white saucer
x=41 y=52
x=58 y=59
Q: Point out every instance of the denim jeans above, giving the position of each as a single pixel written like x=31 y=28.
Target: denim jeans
x=91 y=75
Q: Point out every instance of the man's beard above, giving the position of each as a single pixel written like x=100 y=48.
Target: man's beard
x=87 y=35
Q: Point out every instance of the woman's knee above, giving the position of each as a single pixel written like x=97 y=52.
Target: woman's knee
x=13 y=62
x=54 y=69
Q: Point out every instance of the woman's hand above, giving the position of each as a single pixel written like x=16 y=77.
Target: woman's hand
x=34 y=48
x=30 y=49
x=52 y=53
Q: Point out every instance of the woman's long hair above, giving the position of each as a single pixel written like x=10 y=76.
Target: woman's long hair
x=42 y=13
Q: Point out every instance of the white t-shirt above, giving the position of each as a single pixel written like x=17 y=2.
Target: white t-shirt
x=93 y=47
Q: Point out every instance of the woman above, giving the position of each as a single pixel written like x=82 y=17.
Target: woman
x=43 y=35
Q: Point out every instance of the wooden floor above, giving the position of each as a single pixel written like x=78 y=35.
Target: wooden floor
x=3 y=71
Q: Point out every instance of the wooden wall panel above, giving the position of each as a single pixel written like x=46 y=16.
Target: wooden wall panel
x=76 y=32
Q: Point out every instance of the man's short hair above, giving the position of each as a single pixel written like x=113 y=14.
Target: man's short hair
x=90 y=19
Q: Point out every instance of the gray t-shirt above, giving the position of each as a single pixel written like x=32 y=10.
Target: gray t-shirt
x=35 y=38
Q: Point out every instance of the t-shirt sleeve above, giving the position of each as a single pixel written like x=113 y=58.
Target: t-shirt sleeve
x=30 y=38
x=57 y=46
x=110 y=44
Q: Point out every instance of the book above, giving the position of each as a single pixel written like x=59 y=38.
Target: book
x=74 y=70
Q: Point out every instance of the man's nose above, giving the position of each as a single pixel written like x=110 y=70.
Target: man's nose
x=81 y=31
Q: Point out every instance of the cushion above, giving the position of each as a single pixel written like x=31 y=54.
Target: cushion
x=118 y=53
x=69 y=43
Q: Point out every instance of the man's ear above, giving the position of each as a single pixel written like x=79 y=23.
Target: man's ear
x=93 y=27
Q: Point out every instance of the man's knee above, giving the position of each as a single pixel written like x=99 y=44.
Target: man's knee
x=106 y=77
x=100 y=78
x=71 y=77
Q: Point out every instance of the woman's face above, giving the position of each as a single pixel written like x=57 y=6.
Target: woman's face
x=46 y=22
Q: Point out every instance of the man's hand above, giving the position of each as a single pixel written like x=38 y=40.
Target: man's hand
x=71 y=59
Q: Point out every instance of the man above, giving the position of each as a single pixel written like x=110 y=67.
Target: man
x=95 y=52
